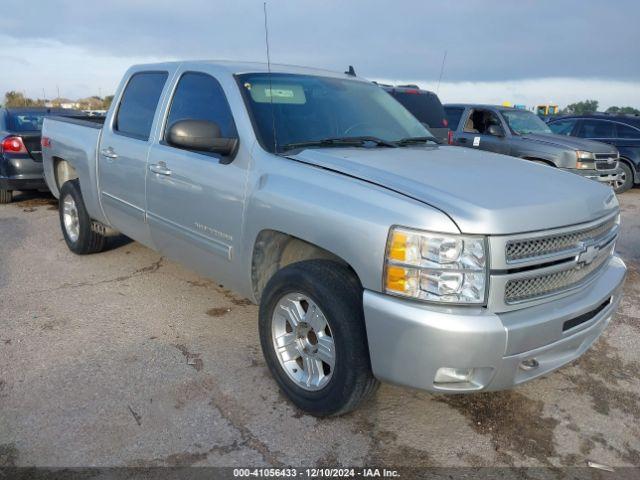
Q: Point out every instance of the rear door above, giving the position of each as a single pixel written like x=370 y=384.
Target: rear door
x=122 y=157
x=195 y=198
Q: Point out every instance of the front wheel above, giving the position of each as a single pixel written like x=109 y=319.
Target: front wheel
x=625 y=180
x=76 y=223
x=314 y=339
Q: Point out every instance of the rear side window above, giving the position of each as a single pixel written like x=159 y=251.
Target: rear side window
x=138 y=105
x=596 y=129
x=426 y=107
x=199 y=96
x=624 y=131
x=562 y=127
x=453 y=116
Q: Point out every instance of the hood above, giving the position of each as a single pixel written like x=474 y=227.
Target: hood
x=573 y=143
x=483 y=193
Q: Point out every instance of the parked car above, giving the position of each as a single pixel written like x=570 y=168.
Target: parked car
x=621 y=131
x=425 y=106
x=20 y=157
x=522 y=134
x=374 y=253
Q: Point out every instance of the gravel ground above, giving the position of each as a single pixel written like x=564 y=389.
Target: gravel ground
x=127 y=359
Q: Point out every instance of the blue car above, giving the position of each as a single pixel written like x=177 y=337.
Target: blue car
x=621 y=131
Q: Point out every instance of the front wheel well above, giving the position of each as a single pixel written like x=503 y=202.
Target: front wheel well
x=274 y=250
x=539 y=160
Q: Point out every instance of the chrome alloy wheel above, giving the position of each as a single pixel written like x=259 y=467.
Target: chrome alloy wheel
x=622 y=178
x=70 y=218
x=303 y=341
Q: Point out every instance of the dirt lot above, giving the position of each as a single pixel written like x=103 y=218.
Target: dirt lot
x=125 y=358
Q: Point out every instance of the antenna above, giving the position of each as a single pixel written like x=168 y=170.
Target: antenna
x=444 y=59
x=266 y=41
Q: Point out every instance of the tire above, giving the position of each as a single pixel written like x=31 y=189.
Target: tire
x=337 y=293
x=6 y=196
x=76 y=223
x=627 y=179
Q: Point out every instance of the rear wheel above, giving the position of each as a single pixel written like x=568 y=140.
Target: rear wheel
x=625 y=180
x=6 y=196
x=313 y=337
x=76 y=223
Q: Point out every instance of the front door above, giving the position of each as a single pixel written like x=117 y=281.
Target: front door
x=122 y=158
x=195 y=199
x=475 y=132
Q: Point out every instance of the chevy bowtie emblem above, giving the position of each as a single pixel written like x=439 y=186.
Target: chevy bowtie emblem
x=588 y=255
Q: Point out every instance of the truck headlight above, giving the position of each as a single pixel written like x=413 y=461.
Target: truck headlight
x=436 y=267
x=585 y=160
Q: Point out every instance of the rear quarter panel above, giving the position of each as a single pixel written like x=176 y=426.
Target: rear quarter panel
x=77 y=145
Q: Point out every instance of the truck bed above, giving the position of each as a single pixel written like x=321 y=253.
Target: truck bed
x=83 y=120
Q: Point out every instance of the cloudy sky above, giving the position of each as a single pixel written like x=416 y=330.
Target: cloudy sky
x=523 y=51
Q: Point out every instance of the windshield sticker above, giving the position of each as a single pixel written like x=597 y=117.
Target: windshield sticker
x=265 y=93
x=476 y=141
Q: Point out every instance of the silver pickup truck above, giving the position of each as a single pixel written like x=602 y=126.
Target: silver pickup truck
x=373 y=252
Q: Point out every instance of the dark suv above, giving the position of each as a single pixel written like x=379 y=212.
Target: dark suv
x=20 y=151
x=425 y=106
x=622 y=131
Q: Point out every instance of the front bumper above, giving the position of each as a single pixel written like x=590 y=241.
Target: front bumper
x=21 y=172
x=410 y=341
x=604 y=176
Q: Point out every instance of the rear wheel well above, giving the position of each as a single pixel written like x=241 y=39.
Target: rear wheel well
x=274 y=250
x=63 y=171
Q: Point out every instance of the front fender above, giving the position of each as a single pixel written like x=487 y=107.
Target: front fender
x=345 y=216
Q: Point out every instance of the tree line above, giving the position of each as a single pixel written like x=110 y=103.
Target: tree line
x=18 y=99
x=591 y=106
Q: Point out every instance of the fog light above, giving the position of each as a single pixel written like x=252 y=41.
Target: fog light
x=453 y=375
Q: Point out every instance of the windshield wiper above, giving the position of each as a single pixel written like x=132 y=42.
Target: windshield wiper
x=413 y=140
x=340 y=142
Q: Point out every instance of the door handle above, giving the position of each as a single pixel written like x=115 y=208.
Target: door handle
x=160 y=168
x=108 y=153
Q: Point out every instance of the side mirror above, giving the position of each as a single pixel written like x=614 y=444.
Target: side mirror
x=200 y=135
x=495 y=130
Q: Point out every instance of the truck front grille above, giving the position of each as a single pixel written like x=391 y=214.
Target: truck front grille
x=539 y=247
x=547 y=284
x=606 y=161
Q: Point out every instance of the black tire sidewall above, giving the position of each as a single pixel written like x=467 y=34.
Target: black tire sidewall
x=343 y=311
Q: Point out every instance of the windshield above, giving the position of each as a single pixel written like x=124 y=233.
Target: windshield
x=522 y=122
x=309 y=108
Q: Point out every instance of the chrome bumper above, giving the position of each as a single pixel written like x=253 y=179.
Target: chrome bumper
x=409 y=341
x=605 y=176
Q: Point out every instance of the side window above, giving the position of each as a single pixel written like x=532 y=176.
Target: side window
x=596 y=129
x=480 y=120
x=625 y=131
x=562 y=127
x=139 y=103
x=453 y=117
x=199 y=96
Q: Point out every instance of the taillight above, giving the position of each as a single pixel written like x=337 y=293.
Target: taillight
x=412 y=91
x=13 y=145
x=450 y=137
x=45 y=142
